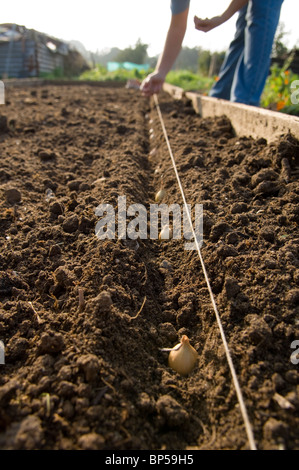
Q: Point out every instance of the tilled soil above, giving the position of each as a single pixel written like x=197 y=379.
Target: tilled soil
x=83 y=320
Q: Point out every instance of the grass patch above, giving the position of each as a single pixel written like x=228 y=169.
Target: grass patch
x=190 y=81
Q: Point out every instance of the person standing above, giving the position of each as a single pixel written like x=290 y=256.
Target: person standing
x=246 y=65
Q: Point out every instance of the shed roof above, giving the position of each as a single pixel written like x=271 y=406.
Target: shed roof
x=14 y=32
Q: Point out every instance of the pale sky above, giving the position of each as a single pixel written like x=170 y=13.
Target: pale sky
x=102 y=24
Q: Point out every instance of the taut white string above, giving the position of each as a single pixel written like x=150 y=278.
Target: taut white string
x=243 y=409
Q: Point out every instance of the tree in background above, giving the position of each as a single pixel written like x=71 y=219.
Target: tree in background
x=137 y=54
x=188 y=59
x=209 y=63
x=204 y=60
x=279 y=47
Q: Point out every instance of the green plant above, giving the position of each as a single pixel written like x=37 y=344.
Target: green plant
x=56 y=73
x=190 y=81
x=277 y=92
x=291 y=109
x=100 y=73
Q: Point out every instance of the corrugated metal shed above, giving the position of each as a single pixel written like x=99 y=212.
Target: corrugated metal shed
x=29 y=53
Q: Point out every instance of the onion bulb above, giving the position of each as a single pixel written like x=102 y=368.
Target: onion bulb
x=153 y=152
x=183 y=357
x=165 y=233
x=160 y=195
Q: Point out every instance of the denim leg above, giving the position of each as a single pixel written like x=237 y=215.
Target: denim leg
x=222 y=88
x=253 y=67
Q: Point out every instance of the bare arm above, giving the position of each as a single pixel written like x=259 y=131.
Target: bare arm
x=173 y=42
x=154 y=82
x=210 y=23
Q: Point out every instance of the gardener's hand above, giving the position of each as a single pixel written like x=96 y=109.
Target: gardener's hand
x=207 y=24
x=152 y=84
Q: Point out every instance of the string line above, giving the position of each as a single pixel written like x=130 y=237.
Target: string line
x=239 y=394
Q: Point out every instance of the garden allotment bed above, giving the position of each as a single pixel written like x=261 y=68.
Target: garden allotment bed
x=83 y=320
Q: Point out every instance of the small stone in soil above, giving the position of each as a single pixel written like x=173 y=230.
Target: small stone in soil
x=64 y=277
x=231 y=287
x=55 y=250
x=239 y=207
x=74 y=185
x=17 y=348
x=218 y=230
x=50 y=343
x=173 y=413
x=13 y=195
x=3 y=125
x=71 y=224
x=101 y=302
x=30 y=434
x=46 y=155
x=90 y=365
x=274 y=429
x=56 y=208
x=165 y=265
x=292 y=297
x=91 y=441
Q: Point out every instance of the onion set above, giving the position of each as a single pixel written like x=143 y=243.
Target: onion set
x=183 y=357
x=160 y=195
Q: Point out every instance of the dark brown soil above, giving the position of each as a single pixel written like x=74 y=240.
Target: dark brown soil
x=93 y=376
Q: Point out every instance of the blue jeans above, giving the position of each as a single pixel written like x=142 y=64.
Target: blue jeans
x=246 y=65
